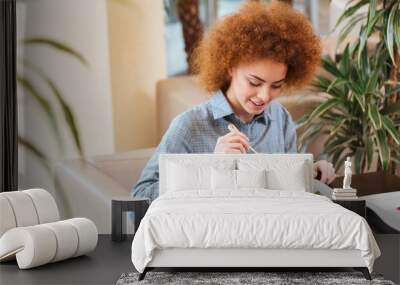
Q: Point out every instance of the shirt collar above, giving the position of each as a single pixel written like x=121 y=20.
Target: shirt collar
x=220 y=108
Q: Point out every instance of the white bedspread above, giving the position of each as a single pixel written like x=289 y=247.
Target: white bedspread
x=250 y=219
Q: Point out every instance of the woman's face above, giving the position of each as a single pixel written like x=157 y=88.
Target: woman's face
x=254 y=85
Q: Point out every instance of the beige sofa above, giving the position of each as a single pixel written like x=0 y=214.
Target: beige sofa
x=85 y=187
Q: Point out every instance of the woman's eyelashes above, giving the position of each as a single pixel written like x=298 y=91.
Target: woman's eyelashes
x=254 y=84
x=259 y=84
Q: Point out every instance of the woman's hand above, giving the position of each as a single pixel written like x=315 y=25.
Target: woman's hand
x=326 y=169
x=232 y=142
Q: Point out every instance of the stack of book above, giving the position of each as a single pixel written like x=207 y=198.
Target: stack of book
x=344 y=194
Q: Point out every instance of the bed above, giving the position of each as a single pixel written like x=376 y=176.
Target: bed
x=224 y=210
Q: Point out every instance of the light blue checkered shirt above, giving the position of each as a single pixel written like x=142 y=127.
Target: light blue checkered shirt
x=197 y=131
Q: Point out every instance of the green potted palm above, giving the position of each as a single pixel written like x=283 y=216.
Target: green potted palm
x=43 y=100
x=361 y=113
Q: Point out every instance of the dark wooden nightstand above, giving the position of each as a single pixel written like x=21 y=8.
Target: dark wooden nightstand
x=119 y=205
x=357 y=206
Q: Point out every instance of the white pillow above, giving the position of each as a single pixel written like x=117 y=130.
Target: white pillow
x=189 y=175
x=226 y=179
x=182 y=177
x=293 y=180
x=223 y=179
x=251 y=178
x=281 y=174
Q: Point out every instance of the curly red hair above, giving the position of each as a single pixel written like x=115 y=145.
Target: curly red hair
x=274 y=31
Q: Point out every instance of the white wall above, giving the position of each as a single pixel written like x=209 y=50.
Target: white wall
x=138 y=61
x=82 y=25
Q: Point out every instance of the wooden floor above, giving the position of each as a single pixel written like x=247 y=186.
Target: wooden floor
x=106 y=264
x=389 y=262
x=102 y=266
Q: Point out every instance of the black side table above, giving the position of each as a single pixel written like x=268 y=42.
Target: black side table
x=357 y=206
x=119 y=205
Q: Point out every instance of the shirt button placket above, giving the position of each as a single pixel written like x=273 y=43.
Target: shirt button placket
x=249 y=128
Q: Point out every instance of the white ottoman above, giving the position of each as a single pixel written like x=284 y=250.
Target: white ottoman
x=31 y=233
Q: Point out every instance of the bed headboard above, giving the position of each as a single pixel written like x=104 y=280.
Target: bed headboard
x=281 y=162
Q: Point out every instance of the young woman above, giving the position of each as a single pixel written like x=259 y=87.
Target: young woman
x=245 y=61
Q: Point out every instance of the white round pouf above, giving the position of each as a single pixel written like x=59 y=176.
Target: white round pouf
x=7 y=216
x=67 y=239
x=45 y=205
x=23 y=208
x=87 y=233
x=32 y=246
x=31 y=233
x=40 y=244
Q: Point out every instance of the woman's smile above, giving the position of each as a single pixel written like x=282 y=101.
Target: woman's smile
x=256 y=104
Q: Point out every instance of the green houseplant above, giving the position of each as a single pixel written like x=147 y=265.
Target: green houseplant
x=43 y=98
x=361 y=114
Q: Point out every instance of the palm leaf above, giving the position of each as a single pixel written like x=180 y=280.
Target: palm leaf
x=301 y=121
x=383 y=148
x=375 y=117
x=66 y=109
x=338 y=142
x=323 y=108
x=35 y=151
x=309 y=134
x=373 y=21
x=359 y=159
x=396 y=27
x=372 y=82
x=337 y=126
x=344 y=63
x=58 y=46
x=43 y=103
x=370 y=152
x=68 y=115
x=350 y=11
x=363 y=61
x=321 y=82
x=330 y=66
x=389 y=37
x=360 y=99
x=348 y=28
x=336 y=83
x=391 y=129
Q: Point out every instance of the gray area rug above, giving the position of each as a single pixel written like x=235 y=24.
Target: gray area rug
x=230 y=278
